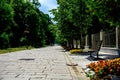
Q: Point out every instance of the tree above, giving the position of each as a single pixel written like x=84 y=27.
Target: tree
x=36 y=3
x=6 y=20
x=22 y=23
x=73 y=19
x=106 y=10
x=28 y=16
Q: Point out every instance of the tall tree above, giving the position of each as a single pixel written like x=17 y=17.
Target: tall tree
x=73 y=18
x=22 y=23
x=29 y=17
x=6 y=21
x=106 y=10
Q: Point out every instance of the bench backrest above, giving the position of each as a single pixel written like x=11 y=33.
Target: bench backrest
x=99 y=45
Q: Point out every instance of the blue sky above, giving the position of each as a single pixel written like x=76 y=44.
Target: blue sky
x=47 y=5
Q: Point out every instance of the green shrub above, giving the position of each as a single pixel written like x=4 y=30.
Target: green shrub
x=76 y=51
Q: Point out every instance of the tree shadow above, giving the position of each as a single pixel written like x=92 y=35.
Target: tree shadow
x=80 y=54
x=102 y=57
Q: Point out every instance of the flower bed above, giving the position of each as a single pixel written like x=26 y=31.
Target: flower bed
x=104 y=68
x=76 y=51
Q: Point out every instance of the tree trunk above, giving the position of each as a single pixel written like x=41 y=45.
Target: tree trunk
x=76 y=44
x=72 y=44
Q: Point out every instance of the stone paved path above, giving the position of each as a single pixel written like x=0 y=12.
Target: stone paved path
x=37 y=64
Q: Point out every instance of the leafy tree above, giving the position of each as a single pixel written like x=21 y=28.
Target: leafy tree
x=106 y=10
x=36 y=3
x=29 y=17
x=19 y=18
x=6 y=20
x=73 y=19
x=22 y=23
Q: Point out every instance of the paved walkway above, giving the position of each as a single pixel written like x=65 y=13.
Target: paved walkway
x=47 y=63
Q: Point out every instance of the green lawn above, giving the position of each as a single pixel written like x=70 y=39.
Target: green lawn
x=2 y=51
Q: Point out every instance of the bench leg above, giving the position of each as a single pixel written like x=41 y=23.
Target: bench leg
x=97 y=56
x=90 y=54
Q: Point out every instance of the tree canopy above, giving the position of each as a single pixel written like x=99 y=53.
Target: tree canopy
x=22 y=23
x=107 y=10
x=76 y=18
x=73 y=19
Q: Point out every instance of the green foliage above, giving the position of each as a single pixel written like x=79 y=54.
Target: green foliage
x=2 y=51
x=107 y=10
x=76 y=51
x=6 y=20
x=72 y=19
x=22 y=23
x=76 y=18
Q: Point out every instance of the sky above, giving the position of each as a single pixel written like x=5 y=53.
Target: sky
x=47 y=5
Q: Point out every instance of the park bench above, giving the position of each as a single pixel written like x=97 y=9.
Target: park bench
x=96 y=52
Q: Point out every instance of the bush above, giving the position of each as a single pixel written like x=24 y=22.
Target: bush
x=76 y=51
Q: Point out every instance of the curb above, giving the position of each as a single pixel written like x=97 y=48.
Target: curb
x=76 y=71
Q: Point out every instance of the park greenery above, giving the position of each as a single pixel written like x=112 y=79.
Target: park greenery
x=77 y=18
x=8 y=50
x=22 y=23
x=76 y=51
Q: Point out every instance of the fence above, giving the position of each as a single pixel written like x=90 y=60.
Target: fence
x=119 y=37
x=95 y=39
x=110 y=39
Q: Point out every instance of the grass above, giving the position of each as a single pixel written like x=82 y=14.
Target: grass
x=2 y=51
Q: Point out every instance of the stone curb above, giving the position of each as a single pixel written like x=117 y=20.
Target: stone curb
x=75 y=70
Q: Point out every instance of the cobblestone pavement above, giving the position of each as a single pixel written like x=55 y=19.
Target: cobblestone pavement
x=47 y=63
